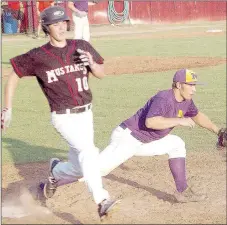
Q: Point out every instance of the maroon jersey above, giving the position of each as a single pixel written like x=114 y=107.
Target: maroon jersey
x=62 y=77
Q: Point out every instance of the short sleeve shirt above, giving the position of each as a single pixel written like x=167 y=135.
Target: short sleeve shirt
x=63 y=79
x=81 y=5
x=162 y=104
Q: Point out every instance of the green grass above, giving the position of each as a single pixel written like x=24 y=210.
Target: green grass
x=199 y=46
x=210 y=46
x=31 y=136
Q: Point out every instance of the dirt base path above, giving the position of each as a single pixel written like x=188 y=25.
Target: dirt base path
x=146 y=64
x=144 y=184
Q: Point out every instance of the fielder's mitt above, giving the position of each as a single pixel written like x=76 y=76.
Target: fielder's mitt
x=222 y=138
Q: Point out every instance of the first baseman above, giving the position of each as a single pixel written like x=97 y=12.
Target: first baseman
x=62 y=68
x=147 y=132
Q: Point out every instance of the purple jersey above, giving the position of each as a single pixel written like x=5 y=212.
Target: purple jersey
x=63 y=79
x=162 y=104
x=81 y=5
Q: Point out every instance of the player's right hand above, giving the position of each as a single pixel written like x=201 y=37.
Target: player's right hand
x=187 y=122
x=6 y=117
x=86 y=58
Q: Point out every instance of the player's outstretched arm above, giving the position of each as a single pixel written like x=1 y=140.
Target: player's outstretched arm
x=161 y=123
x=10 y=88
x=202 y=120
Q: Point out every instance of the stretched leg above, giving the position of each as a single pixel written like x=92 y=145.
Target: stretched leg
x=121 y=148
x=77 y=130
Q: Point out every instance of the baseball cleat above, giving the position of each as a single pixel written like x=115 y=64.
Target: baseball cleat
x=51 y=185
x=189 y=196
x=105 y=207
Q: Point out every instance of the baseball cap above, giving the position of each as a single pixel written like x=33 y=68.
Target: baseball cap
x=186 y=76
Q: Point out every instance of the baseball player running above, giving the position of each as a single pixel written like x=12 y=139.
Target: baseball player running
x=61 y=68
x=146 y=133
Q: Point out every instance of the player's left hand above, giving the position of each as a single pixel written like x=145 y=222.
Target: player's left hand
x=6 y=117
x=86 y=58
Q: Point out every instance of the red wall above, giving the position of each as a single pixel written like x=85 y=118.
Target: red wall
x=162 y=11
x=146 y=11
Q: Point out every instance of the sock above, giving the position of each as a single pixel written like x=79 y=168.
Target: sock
x=178 y=170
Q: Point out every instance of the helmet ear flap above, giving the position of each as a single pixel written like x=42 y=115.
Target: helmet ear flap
x=45 y=29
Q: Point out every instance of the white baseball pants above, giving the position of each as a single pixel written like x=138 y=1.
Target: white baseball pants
x=81 y=27
x=123 y=146
x=77 y=130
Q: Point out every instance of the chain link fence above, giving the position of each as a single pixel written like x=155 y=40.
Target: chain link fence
x=21 y=17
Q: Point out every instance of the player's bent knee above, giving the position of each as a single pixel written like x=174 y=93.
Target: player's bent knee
x=177 y=153
x=179 y=149
x=178 y=142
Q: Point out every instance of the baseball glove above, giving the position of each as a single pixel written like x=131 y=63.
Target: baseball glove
x=222 y=138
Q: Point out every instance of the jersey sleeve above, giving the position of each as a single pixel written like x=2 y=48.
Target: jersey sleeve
x=24 y=65
x=192 y=110
x=159 y=107
x=96 y=56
